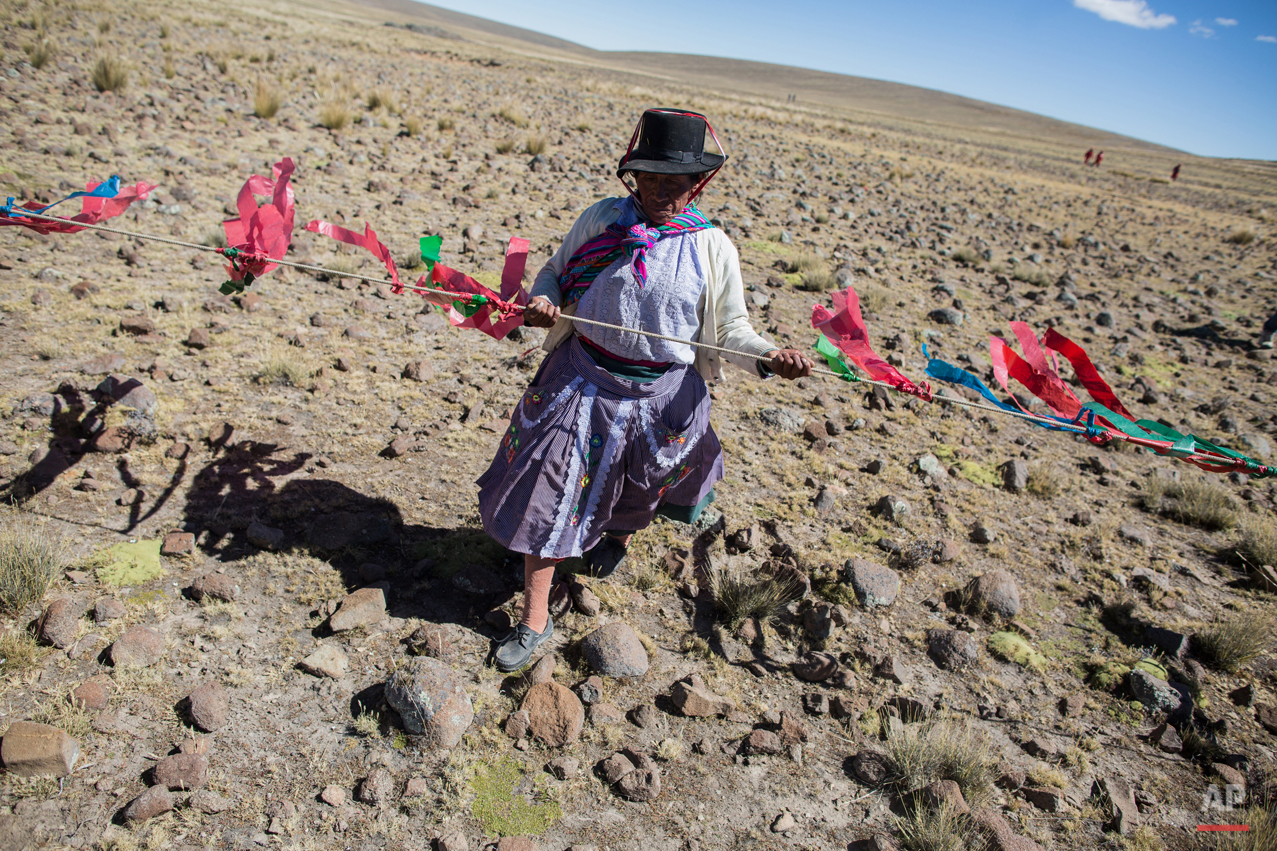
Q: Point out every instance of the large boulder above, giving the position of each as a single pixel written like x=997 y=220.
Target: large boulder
x=873 y=583
x=429 y=697
x=38 y=750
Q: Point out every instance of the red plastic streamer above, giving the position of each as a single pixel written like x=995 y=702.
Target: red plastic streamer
x=367 y=239
x=92 y=210
x=846 y=329
x=1085 y=371
x=503 y=312
x=262 y=233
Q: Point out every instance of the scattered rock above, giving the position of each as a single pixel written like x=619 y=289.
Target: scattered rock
x=783 y=823
x=208 y=706
x=951 y=649
x=108 y=609
x=360 y=608
x=153 y=802
x=209 y=803
x=181 y=772
x=944 y=793
x=1046 y=799
x=763 y=742
x=430 y=700
x=1134 y=534
x=139 y=647
x=871 y=768
x=327 y=661
x=178 y=544
x=333 y=796
x=1015 y=475
x=377 y=788
x=265 y=537
x=590 y=691
x=893 y=509
x=91 y=694
x=38 y=750
x=815 y=667
x=993 y=593
x=1166 y=738
x=215 y=586
x=699 y=702
x=614 y=650
x=60 y=623
x=1156 y=694
x=555 y=714
x=874 y=584
x=565 y=767
x=1123 y=814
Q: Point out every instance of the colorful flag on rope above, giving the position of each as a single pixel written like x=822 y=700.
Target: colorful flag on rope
x=845 y=329
x=263 y=233
x=494 y=315
x=100 y=201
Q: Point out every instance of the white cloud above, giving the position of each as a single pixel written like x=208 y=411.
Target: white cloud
x=1272 y=39
x=1198 y=29
x=1135 y=13
x=1226 y=22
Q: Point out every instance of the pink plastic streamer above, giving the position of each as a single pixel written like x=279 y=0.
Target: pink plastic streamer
x=266 y=231
x=845 y=328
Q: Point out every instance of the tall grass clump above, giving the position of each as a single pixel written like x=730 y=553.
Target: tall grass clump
x=1242 y=236
x=1193 y=501
x=110 y=74
x=513 y=116
x=1235 y=642
x=333 y=116
x=1037 y=277
x=285 y=368
x=943 y=749
x=1261 y=834
x=505 y=146
x=804 y=262
x=965 y=255
x=445 y=124
x=267 y=100
x=738 y=597
x=535 y=145
x=30 y=557
x=940 y=829
x=1258 y=544
x=377 y=99
x=19 y=651
x=412 y=126
x=874 y=298
x=817 y=280
x=1045 y=481
x=40 y=53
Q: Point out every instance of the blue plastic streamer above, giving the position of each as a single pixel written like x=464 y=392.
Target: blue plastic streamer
x=106 y=189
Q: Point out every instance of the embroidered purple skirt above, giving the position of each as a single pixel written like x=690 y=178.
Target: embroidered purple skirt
x=587 y=452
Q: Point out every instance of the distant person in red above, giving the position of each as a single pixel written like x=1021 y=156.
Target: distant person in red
x=1090 y=152
x=1099 y=158
x=1175 y=173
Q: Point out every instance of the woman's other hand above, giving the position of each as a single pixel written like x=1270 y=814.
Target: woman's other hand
x=790 y=364
x=540 y=313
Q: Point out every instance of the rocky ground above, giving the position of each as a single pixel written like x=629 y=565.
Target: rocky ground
x=309 y=669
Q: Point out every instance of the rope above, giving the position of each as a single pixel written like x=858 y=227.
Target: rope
x=1089 y=430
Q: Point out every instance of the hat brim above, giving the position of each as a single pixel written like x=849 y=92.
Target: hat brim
x=708 y=162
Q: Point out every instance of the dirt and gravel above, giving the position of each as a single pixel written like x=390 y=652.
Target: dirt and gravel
x=309 y=670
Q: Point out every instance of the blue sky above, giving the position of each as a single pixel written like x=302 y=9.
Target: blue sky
x=1198 y=76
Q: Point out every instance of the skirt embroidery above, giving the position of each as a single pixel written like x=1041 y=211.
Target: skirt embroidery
x=531 y=399
x=564 y=509
x=610 y=452
x=663 y=435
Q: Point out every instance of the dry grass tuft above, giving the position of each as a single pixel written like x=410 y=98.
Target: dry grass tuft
x=942 y=829
x=30 y=558
x=805 y=262
x=285 y=368
x=505 y=146
x=512 y=115
x=169 y=71
x=412 y=126
x=1196 y=502
x=445 y=124
x=110 y=74
x=1235 y=642
x=874 y=298
x=377 y=99
x=19 y=652
x=334 y=116
x=965 y=255
x=1262 y=833
x=40 y=53
x=943 y=749
x=738 y=597
x=1242 y=236
x=1258 y=544
x=267 y=100
x=817 y=281
x=535 y=145
x=1045 y=480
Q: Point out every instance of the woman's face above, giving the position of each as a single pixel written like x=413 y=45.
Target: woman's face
x=663 y=196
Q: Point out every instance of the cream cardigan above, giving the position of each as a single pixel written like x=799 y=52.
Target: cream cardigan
x=721 y=310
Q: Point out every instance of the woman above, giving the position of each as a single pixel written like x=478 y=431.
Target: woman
x=614 y=428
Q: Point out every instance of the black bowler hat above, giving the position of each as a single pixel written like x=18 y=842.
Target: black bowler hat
x=670 y=141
